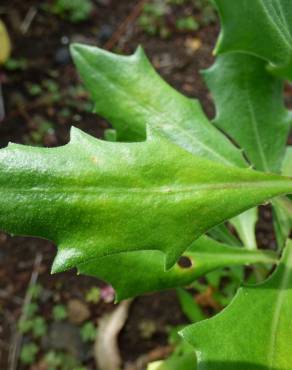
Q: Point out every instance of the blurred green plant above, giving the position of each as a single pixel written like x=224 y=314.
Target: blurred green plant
x=88 y=332
x=13 y=64
x=157 y=16
x=59 y=312
x=73 y=10
x=28 y=353
x=57 y=360
x=93 y=295
x=152 y=20
x=188 y=23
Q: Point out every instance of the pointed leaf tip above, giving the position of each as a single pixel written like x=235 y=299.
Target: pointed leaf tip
x=141 y=96
x=78 y=48
x=65 y=259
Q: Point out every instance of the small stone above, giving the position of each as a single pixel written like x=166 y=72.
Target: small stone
x=63 y=336
x=103 y=2
x=105 y=33
x=78 y=311
x=65 y=40
x=193 y=44
x=147 y=329
x=62 y=55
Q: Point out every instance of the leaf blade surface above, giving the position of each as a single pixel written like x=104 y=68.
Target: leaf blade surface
x=254 y=330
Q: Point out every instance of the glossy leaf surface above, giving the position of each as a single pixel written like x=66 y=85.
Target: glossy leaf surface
x=251 y=110
x=129 y=93
x=254 y=331
x=95 y=198
x=184 y=361
x=245 y=226
x=260 y=27
x=147 y=267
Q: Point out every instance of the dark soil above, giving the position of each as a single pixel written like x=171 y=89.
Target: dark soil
x=45 y=119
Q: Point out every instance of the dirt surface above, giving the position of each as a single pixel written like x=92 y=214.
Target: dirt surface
x=44 y=117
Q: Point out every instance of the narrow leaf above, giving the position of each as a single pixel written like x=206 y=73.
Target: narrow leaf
x=245 y=226
x=282 y=219
x=282 y=207
x=287 y=163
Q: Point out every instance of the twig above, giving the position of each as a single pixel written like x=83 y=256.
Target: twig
x=125 y=24
x=16 y=342
x=159 y=353
x=24 y=27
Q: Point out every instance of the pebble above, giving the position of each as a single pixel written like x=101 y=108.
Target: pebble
x=105 y=33
x=62 y=55
x=63 y=336
x=78 y=312
x=103 y=2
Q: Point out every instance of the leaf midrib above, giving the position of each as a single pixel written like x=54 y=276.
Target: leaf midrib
x=254 y=126
x=162 y=190
x=276 y=26
x=148 y=108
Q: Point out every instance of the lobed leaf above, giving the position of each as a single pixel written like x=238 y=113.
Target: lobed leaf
x=254 y=331
x=96 y=198
x=262 y=28
x=129 y=93
x=251 y=110
x=204 y=255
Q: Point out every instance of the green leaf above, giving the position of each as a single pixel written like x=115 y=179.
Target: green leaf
x=261 y=27
x=28 y=353
x=287 y=163
x=88 y=332
x=282 y=212
x=245 y=227
x=129 y=93
x=39 y=328
x=95 y=198
x=183 y=358
x=204 y=255
x=254 y=331
x=189 y=306
x=93 y=295
x=224 y=235
x=282 y=207
x=185 y=361
x=59 y=312
x=251 y=110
